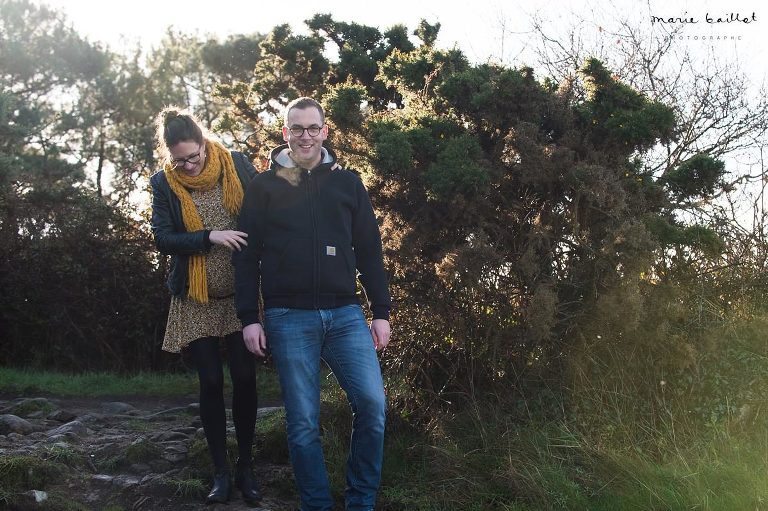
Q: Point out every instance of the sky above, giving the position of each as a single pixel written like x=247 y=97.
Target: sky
x=485 y=30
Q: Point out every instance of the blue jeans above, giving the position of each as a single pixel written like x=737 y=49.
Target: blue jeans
x=298 y=339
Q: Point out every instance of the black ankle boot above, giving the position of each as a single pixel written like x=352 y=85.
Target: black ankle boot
x=222 y=489
x=246 y=483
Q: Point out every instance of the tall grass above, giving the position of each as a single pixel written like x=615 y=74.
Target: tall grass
x=655 y=419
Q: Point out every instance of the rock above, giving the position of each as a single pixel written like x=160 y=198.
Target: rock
x=117 y=408
x=36 y=496
x=149 y=479
x=165 y=436
x=140 y=468
x=173 y=473
x=106 y=450
x=13 y=424
x=62 y=416
x=93 y=417
x=125 y=481
x=175 y=452
x=161 y=466
x=75 y=428
x=268 y=410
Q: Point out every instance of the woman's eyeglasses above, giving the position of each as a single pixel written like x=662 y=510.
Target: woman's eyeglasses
x=180 y=162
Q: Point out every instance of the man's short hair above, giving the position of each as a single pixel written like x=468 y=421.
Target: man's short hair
x=301 y=104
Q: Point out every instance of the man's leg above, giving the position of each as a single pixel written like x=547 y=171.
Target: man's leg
x=350 y=353
x=295 y=337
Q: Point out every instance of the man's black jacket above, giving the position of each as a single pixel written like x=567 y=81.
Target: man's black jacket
x=307 y=241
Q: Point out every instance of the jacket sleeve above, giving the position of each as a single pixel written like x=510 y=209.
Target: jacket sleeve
x=168 y=239
x=366 y=241
x=247 y=262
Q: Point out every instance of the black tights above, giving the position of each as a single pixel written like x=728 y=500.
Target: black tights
x=242 y=369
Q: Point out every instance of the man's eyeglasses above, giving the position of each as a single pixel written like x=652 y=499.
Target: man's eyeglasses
x=180 y=162
x=298 y=131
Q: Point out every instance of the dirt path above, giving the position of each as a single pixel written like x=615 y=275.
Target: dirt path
x=119 y=454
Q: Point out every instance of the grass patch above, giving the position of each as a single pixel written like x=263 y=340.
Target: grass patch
x=198 y=457
x=724 y=474
x=26 y=472
x=25 y=382
x=61 y=503
x=21 y=381
x=32 y=406
x=65 y=455
x=109 y=464
x=271 y=441
x=191 y=488
x=142 y=451
x=19 y=474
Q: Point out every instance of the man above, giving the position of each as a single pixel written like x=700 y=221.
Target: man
x=311 y=229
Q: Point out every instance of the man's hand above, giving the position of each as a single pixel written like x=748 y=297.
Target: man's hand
x=380 y=333
x=255 y=340
x=233 y=240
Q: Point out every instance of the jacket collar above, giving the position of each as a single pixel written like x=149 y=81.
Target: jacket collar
x=280 y=158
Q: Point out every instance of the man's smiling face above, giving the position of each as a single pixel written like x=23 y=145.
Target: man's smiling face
x=305 y=149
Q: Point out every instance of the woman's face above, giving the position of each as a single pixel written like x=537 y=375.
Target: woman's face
x=189 y=157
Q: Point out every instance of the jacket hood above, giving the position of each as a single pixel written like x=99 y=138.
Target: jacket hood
x=280 y=158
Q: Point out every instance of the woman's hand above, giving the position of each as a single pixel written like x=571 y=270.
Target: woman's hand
x=233 y=240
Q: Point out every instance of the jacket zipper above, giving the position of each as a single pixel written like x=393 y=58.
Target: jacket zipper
x=315 y=255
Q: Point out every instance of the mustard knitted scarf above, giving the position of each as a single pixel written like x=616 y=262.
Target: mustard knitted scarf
x=218 y=161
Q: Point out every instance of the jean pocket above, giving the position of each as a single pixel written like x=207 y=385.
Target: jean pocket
x=275 y=312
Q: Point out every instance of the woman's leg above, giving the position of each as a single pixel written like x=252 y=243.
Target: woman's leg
x=242 y=370
x=205 y=355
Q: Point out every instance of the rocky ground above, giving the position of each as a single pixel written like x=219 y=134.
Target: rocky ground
x=133 y=454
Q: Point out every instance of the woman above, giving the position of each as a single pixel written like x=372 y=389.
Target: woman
x=195 y=202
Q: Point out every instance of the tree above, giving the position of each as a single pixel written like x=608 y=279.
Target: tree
x=708 y=273
x=720 y=117
x=511 y=207
x=295 y=65
x=62 y=281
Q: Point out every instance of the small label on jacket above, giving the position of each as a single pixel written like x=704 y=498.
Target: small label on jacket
x=330 y=250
